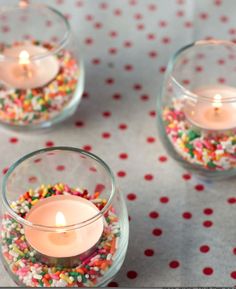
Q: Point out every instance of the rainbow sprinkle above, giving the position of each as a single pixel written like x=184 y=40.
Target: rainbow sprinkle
x=22 y=261
x=33 y=106
x=210 y=150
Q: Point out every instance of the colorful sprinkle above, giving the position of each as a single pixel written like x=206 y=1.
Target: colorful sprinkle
x=33 y=106
x=212 y=151
x=22 y=259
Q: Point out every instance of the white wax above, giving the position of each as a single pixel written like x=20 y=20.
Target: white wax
x=205 y=115
x=41 y=71
x=59 y=243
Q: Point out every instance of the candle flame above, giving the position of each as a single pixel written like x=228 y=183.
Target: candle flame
x=217 y=103
x=60 y=219
x=24 y=58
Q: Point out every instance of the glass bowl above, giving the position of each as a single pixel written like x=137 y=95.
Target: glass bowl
x=64 y=221
x=197 y=108
x=41 y=72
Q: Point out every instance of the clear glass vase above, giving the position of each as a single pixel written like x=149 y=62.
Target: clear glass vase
x=64 y=221
x=41 y=72
x=197 y=108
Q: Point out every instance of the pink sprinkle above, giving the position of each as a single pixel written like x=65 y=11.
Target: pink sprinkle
x=54 y=276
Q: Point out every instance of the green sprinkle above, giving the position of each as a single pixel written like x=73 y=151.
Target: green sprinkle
x=193 y=135
x=210 y=164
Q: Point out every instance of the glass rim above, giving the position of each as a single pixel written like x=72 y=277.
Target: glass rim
x=62 y=43
x=174 y=58
x=66 y=228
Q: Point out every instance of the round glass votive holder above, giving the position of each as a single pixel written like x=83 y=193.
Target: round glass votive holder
x=41 y=72
x=64 y=221
x=197 y=108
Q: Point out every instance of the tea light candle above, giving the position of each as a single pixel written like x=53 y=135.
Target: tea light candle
x=22 y=71
x=59 y=211
x=217 y=114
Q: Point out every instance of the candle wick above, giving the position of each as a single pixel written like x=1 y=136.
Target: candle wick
x=26 y=72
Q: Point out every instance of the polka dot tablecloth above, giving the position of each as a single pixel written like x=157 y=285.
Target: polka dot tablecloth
x=182 y=229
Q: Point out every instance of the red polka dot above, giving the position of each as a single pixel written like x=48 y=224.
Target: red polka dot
x=85 y=94
x=208 y=211
x=137 y=86
x=4 y=171
x=117 y=96
x=149 y=252
x=117 y=12
x=174 y=264
x=60 y=168
x=121 y=174
x=112 y=50
x=162 y=159
x=186 y=177
x=207 y=224
x=199 y=69
x=113 y=34
x=231 y=200
x=106 y=135
x=153 y=54
x=87 y=148
x=123 y=156
x=151 y=139
x=187 y=215
x=128 y=44
x=88 y=41
x=233 y=275
x=148 y=177
x=96 y=61
x=106 y=114
x=203 y=16
x=109 y=81
x=122 y=126
x=128 y=67
x=132 y=274
x=153 y=215
x=162 y=23
x=151 y=36
x=144 y=97
x=234 y=251
x=152 y=113
x=37 y=160
x=79 y=123
x=165 y=40
x=131 y=197
x=204 y=248
x=113 y=284
x=49 y=143
x=164 y=200
x=32 y=179
x=98 y=25
x=13 y=140
x=162 y=69
x=199 y=187
x=157 y=232
x=207 y=271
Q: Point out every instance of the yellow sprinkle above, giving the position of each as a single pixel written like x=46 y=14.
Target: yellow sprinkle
x=45 y=191
x=31 y=192
x=26 y=251
x=66 y=278
x=15 y=249
x=61 y=186
x=22 y=238
x=34 y=201
x=42 y=187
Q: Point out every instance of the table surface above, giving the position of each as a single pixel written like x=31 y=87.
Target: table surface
x=182 y=230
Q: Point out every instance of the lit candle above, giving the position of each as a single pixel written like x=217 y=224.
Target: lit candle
x=21 y=70
x=216 y=110
x=58 y=212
